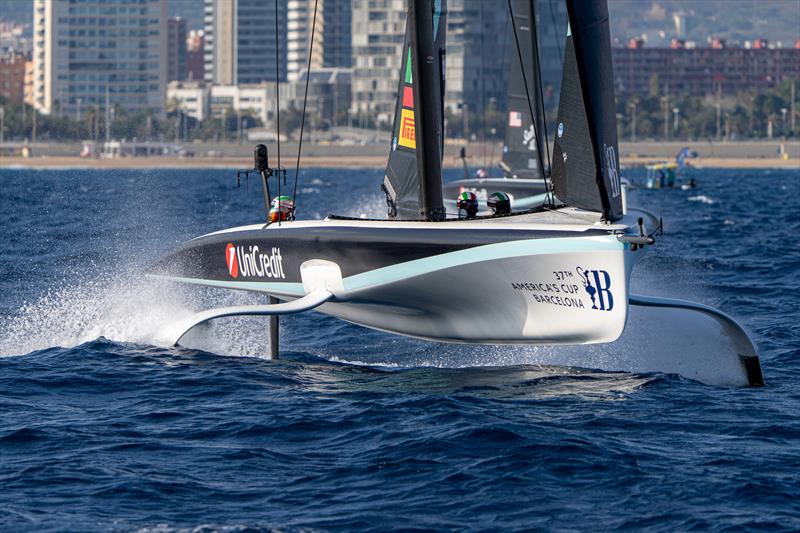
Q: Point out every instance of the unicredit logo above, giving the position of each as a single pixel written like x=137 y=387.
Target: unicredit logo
x=251 y=262
x=232 y=261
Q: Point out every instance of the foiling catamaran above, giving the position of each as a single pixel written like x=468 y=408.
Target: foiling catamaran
x=556 y=274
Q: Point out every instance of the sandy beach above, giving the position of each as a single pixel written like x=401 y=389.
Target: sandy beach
x=749 y=154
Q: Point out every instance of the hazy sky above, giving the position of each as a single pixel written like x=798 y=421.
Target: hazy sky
x=738 y=19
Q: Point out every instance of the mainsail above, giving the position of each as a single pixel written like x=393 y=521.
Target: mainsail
x=586 y=153
x=401 y=181
x=522 y=149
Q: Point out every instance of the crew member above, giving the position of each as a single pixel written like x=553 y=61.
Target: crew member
x=282 y=209
x=499 y=203
x=468 y=203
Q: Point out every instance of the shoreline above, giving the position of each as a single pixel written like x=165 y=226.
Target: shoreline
x=739 y=154
x=339 y=161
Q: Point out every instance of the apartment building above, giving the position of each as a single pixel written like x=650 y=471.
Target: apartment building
x=240 y=41
x=93 y=51
x=698 y=71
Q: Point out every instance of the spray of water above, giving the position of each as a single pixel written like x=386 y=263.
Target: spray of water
x=126 y=308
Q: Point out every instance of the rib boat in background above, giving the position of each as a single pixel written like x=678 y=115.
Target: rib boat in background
x=664 y=175
x=556 y=274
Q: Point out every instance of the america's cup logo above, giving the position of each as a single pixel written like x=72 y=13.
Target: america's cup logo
x=232 y=261
x=599 y=291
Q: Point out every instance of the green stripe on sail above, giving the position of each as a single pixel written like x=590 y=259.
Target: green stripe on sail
x=408 y=66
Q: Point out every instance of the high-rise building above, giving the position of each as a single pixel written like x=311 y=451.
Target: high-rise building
x=480 y=45
x=337 y=33
x=176 y=49
x=378 y=30
x=28 y=81
x=93 y=51
x=332 y=35
x=240 y=41
x=299 y=24
x=479 y=38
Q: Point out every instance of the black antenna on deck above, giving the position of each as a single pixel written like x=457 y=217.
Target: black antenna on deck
x=262 y=168
x=261 y=165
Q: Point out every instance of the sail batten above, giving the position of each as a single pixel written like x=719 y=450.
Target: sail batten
x=586 y=151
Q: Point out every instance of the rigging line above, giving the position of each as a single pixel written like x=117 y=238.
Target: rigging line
x=277 y=86
x=483 y=89
x=278 y=110
x=538 y=65
x=506 y=68
x=525 y=81
x=305 y=101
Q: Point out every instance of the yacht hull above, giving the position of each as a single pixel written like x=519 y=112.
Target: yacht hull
x=493 y=285
x=525 y=292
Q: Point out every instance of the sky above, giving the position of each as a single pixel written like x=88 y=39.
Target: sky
x=775 y=20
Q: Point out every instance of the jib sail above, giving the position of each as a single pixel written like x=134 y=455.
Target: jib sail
x=522 y=149
x=586 y=153
x=404 y=188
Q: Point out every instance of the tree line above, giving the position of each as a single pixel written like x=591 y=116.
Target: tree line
x=639 y=117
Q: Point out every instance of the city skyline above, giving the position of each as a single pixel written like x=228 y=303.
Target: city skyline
x=776 y=20
x=89 y=56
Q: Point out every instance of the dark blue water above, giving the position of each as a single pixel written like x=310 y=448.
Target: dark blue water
x=102 y=430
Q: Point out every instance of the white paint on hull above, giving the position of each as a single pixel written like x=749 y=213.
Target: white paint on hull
x=536 y=298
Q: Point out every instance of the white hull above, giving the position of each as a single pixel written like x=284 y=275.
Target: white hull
x=521 y=292
x=572 y=289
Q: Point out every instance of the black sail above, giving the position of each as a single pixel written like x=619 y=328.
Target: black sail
x=402 y=185
x=522 y=147
x=400 y=181
x=586 y=153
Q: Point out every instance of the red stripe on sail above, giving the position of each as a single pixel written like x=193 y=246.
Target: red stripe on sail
x=408 y=97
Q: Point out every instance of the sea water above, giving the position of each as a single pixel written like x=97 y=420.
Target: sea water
x=102 y=429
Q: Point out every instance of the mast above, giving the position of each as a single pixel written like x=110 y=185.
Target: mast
x=585 y=170
x=426 y=68
x=592 y=41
